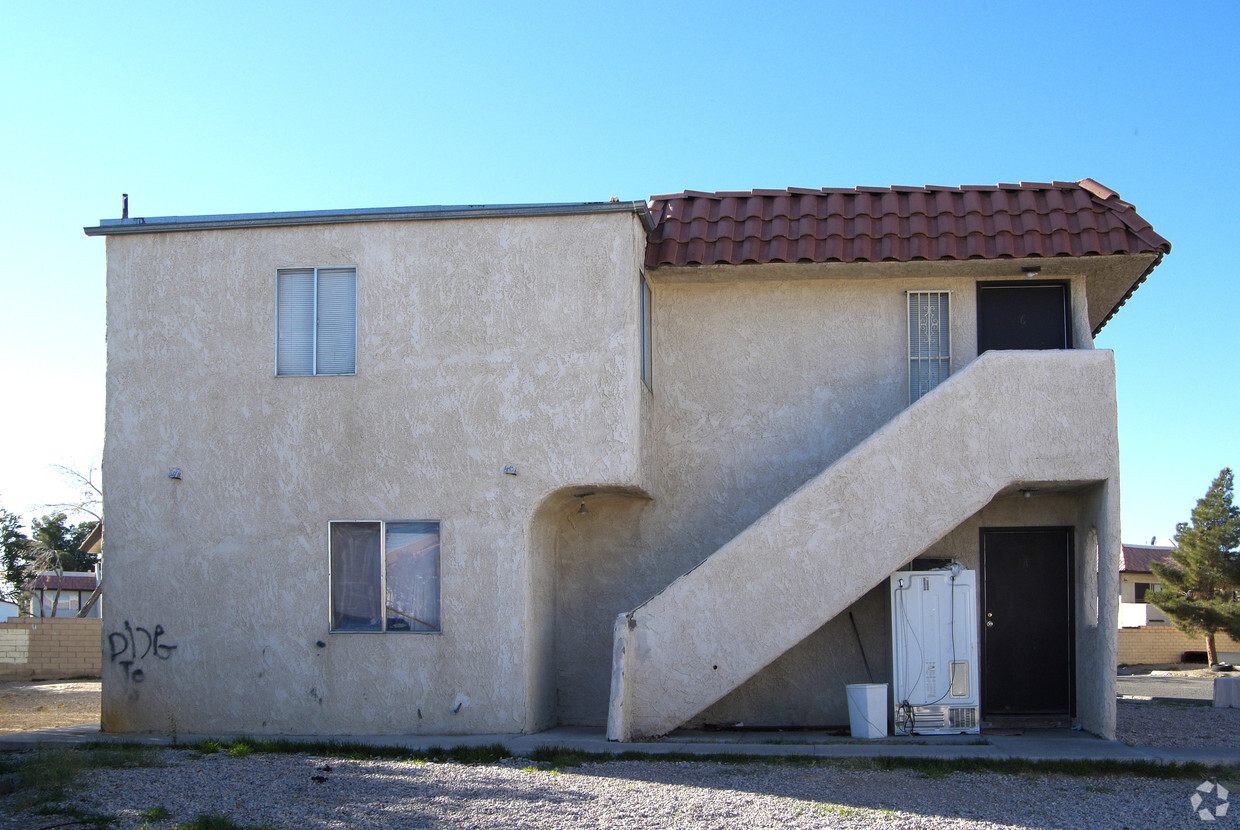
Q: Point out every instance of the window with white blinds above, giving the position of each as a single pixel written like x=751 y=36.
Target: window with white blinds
x=929 y=341
x=316 y=321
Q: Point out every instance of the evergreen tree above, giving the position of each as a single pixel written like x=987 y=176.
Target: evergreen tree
x=1201 y=588
x=14 y=548
x=54 y=532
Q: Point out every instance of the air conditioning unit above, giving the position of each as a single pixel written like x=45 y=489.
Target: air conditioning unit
x=934 y=650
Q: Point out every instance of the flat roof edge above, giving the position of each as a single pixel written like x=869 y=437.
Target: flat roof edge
x=168 y=224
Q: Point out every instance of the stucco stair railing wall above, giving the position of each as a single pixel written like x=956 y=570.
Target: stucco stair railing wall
x=1008 y=419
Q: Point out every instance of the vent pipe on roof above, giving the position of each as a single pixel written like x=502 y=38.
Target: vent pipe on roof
x=124 y=205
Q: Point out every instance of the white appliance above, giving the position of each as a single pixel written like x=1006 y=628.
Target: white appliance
x=934 y=650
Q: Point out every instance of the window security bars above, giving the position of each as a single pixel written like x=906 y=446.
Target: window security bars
x=929 y=341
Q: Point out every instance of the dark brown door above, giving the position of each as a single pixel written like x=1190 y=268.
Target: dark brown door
x=1028 y=659
x=1022 y=316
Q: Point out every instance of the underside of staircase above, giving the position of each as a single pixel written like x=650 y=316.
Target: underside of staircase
x=1006 y=421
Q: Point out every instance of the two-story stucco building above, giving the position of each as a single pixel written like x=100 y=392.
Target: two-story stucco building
x=494 y=469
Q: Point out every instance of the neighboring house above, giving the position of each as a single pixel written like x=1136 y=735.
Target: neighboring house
x=1146 y=635
x=93 y=543
x=497 y=468
x=7 y=609
x=1135 y=579
x=75 y=588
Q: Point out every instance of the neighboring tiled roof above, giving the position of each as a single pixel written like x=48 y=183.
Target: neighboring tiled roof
x=1137 y=558
x=47 y=582
x=897 y=224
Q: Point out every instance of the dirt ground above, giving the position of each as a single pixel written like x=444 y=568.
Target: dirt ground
x=1173 y=670
x=44 y=704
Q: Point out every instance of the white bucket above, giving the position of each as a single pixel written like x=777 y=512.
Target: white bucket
x=867 y=710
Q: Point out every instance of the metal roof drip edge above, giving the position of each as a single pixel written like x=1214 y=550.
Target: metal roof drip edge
x=168 y=224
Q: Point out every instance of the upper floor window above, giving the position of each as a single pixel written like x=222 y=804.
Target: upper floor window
x=929 y=341
x=316 y=321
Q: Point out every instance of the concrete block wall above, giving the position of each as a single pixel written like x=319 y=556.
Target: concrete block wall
x=1164 y=644
x=33 y=648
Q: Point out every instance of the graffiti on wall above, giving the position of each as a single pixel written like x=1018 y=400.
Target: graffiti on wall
x=128 y=648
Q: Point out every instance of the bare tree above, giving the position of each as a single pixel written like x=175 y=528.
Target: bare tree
x=89 y=499
x=89 y=502
x=43 y=559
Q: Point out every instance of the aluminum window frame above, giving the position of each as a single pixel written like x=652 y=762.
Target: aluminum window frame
x=315 y=330
x=383 y=576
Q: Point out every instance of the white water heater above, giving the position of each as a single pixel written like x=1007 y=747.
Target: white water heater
x=934 y=649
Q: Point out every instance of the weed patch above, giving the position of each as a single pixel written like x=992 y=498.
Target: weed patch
x=121 y=756
x=215 y=822
x=52 y=770
x=565 y=757
x=80 y=817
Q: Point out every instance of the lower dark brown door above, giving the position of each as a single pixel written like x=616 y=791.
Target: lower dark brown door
x=1022 y=316
x=1028 y=648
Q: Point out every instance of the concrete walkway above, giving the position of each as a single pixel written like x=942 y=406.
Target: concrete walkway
x=1031 y=744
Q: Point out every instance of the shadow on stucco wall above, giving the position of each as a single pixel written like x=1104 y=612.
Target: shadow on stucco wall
x=587 y=557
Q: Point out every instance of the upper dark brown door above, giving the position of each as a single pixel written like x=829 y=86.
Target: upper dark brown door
x=1022 y=316
x=1027 y=622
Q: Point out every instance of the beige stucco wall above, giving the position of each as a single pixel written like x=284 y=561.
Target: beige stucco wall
x=759 y=384
x=481 y=343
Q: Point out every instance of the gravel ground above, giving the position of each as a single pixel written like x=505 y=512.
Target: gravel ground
x=285 y=791
x=1173 y=724
x=303 y=791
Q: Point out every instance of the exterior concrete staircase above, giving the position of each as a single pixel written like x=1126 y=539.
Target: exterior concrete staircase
x=1006 y=421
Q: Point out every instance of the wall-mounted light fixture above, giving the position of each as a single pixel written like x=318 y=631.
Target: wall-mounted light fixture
x=175 y=474
x=1032 y=271
x=581 y=511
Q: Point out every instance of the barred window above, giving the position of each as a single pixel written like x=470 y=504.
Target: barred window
x=929 y=341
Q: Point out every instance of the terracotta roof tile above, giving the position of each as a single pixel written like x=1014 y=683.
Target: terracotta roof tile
x=1137 y=558
x=896 y=224
x=47 y=582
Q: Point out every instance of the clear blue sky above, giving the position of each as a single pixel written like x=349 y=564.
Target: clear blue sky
x=232 y=107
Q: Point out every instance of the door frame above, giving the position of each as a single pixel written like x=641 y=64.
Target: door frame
x=1067 y=303
x=1069 y=533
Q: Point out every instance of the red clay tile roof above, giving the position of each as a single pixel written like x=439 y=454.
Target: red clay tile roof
x=896 y=224
x=47 y=582
x=1137 y=558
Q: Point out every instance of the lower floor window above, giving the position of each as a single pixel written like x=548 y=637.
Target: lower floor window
x=385 y=576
